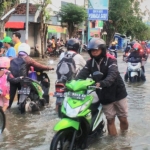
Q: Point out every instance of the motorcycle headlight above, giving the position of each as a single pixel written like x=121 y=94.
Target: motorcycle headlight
x=73 y=112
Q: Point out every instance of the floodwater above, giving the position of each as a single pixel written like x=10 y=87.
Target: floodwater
x=35 y=131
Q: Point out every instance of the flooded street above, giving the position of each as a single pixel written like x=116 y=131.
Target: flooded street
x=35 y=131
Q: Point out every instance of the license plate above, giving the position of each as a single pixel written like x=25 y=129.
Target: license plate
x=24 y=90
x=76 y=95
x=56 y=94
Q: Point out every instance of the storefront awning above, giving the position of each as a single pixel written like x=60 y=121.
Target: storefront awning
x=15 y=25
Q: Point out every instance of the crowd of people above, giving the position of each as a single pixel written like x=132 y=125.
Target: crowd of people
x=113 y=94
x=19 y=53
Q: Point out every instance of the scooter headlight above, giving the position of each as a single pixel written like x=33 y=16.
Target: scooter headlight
x=73 y=112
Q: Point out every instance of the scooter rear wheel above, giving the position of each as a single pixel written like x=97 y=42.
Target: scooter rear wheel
x=2 y=121
x=62 y=140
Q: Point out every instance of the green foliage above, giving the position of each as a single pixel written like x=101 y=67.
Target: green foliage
x=6 y=5
x=45 y=16
x=72 y=14
x=126 y=19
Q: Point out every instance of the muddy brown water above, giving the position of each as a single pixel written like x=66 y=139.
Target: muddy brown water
x=35 y=131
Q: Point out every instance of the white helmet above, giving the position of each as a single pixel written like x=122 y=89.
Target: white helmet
x=23 y=47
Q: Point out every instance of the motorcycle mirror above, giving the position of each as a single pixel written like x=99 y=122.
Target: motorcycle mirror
x=97 y=76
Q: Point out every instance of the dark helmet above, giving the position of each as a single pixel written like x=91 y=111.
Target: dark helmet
x=73 y=44
x=95 y=44
x=1 y=44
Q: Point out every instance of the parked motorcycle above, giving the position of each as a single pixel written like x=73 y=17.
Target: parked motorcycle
x=51 y=52
x=61 y=49
x=81 y=118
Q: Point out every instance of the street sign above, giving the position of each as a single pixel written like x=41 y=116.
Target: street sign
x=97 y=14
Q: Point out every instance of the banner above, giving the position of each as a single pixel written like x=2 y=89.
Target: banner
x=56 y=29
x=95 y=32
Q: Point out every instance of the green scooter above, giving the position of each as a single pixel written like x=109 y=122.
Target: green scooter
x=81 y=117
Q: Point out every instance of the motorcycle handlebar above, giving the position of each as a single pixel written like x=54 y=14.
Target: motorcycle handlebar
x=52 y=69
x=94 y=87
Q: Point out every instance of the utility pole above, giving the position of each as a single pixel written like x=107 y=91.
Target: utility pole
x=27 y=21
x=83 y=28
x=75 y=2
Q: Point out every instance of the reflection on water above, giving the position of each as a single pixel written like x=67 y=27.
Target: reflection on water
x=35 y=131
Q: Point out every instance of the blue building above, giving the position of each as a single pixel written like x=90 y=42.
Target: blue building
x=122 y=41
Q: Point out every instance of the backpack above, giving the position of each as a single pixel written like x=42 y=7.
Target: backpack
x=18 y=67
x=4 y=85
x=66 y=68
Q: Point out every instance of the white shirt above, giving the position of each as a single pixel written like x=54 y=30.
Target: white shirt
x=79 y=60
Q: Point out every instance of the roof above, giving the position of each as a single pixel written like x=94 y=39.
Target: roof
x=21 y=9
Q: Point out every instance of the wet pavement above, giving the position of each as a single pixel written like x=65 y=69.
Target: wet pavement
x=35 y=131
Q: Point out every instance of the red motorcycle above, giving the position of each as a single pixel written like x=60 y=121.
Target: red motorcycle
x=59 y=94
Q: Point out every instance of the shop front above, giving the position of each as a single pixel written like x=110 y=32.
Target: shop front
x=57 y=31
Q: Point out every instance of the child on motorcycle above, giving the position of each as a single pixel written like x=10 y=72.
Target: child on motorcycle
x=113 y=93
x=5 y=78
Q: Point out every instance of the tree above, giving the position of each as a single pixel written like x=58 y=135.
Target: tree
x=124 y=17
x=6 y=6
x=44 y=17
x=72 y=15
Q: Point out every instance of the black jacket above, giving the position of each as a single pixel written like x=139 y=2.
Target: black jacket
x=113 y=88
x=136 y=57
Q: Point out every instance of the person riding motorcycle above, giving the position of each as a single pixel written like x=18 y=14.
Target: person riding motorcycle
x=104 y=71
x=73 y=47
x=114 y=47
x=135 y=57
x=24 y=52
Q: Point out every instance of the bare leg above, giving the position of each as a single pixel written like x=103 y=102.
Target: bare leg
x=111 y=127
x=4 y=108
x=123 y=123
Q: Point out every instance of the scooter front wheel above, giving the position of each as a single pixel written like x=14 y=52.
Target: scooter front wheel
x=62 y=140
x=2 y=121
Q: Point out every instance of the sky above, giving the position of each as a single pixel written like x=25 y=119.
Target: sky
x=56 y=4
x=144 y=4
